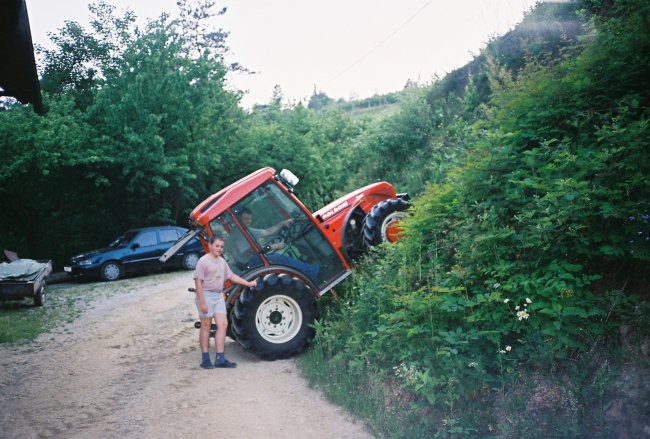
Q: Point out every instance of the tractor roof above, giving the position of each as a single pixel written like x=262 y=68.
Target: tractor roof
x=218 y=203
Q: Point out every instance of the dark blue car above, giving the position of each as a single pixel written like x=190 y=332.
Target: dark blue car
x=136 y=250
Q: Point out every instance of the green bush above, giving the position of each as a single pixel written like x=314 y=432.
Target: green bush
x=517 y=272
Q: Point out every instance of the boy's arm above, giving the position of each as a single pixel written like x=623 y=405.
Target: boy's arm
x=199 y=293
x=238 y=280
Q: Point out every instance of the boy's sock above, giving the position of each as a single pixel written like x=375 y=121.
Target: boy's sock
x=220 y=361
x=205 y=360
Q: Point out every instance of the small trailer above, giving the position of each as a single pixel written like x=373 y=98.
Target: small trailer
x=24 y=278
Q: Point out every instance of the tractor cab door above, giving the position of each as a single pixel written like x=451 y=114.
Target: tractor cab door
x=241 y=255
x=284 y=234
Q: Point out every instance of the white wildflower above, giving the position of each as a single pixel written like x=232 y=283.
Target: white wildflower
x=522 y=315
x=496 y=285
x=506 y=300
x=501 y=351
x=508 y=348
x=528 y=300
x=517 y=307
x=472 y=364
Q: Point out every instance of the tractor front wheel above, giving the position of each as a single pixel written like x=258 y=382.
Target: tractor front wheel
x=272 y=320
x=382 y=223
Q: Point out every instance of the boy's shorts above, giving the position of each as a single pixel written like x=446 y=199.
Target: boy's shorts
x=215 y=302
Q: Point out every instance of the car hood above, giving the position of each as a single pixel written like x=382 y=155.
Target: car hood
x=91 y=253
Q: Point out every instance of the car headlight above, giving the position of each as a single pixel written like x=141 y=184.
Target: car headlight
x=86 y=262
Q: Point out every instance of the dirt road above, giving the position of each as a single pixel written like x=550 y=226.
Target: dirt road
x=128 y=367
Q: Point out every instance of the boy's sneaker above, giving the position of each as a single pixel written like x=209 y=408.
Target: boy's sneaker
x=206 y=365
x=226 y=364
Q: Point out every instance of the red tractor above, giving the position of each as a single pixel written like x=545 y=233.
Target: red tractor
x=296 y=256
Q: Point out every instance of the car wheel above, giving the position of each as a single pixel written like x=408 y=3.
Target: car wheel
x=39 y=296
x=190 y=260
x=111 y=271
x=273 y=320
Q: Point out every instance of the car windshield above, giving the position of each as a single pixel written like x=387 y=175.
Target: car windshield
x=124 y=239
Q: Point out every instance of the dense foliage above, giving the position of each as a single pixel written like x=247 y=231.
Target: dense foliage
x=526 y=262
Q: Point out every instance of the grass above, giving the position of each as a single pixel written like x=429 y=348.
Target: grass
x=20 y=321
x=595 y=397
x=387 y=410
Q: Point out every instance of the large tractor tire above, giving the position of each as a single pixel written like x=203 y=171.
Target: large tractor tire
x=272 y=320
x=382 y=223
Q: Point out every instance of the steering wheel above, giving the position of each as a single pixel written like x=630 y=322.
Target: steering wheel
x=289 y=233
x=296 y=229
x=277 y=238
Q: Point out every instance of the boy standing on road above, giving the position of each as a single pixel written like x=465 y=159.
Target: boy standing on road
x=210 y=273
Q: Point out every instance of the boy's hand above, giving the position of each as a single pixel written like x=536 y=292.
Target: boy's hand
x=251 y=284
x=204 y=308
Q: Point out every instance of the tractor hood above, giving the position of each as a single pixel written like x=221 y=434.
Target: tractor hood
x=381 y=190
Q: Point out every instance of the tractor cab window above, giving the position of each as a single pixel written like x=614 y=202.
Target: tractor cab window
x=286 y=235
x=237 y=251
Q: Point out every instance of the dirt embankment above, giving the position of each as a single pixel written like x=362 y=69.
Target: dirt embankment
x=129 y=368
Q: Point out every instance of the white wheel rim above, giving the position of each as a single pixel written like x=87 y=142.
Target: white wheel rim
x=278 y=319
x=391 y=218
x=112 y=271
x=190 y=260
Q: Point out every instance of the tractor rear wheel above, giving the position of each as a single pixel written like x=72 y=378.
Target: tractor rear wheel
x=272 y=320
x=382 y=223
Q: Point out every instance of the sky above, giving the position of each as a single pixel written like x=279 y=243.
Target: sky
x=344 y=48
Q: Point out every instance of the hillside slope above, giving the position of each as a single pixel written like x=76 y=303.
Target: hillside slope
x=517 y=303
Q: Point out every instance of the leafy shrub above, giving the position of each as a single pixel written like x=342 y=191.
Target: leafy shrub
x=523 y=265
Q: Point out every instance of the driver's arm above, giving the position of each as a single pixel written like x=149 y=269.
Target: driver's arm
x=276 y=228
x=277 y=245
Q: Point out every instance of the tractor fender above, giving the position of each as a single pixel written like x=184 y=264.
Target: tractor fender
x=262 y=273
x=355 y=211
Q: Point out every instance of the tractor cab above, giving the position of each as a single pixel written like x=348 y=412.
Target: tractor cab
x=269 y=227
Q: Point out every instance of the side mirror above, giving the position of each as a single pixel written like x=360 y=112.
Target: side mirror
x=135 y=246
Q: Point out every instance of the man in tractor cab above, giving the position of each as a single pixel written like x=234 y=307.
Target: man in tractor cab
x=270 y=238
x=262 y=235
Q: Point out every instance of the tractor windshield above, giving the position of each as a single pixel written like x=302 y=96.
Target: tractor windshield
x=283 y=233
